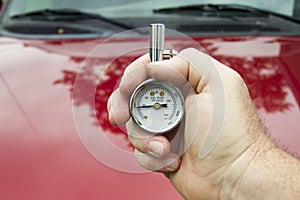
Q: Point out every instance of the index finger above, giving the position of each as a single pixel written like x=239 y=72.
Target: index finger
x=190 y=65
x=134 y=74
x=117 y=104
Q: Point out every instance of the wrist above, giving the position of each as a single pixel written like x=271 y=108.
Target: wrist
x=272 y=174
x=263 y=171
x=237 y=179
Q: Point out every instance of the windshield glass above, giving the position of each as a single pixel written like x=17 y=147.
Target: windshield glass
x=141 y=8
x=102 y=18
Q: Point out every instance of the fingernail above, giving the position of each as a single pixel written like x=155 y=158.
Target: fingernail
x=111 y=117
x=156 y=148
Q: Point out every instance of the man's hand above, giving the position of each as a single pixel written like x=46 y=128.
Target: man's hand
x=215 y=163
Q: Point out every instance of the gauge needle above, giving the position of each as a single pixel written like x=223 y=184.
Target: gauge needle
x=156 y=105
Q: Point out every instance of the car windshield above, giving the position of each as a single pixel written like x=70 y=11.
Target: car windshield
x=138 y=8
x=101 y=18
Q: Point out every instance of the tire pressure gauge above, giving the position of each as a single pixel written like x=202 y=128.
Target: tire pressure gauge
x=155 y=105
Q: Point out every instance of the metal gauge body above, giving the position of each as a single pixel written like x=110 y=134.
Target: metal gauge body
x=156 y=106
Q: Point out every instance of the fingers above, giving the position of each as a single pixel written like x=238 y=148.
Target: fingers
x=169 y=163
x=152 y=151
x=117 y=107
x=190 y=65
x=134 y=74
x=190 y=68
x=117 y=104
x=156 y=145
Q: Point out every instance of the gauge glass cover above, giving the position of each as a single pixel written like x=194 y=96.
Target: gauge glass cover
x=156 y=106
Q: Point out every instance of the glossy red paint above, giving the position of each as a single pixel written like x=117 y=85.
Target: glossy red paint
x=42 y=155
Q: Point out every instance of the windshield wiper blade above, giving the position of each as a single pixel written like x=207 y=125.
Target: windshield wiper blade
x=67 y=15
x=219 y=8
x=209 y=7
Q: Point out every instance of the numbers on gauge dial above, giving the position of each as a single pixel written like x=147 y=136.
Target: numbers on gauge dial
x=157 y=107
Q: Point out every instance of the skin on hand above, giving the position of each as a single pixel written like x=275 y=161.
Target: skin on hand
x=214 y=160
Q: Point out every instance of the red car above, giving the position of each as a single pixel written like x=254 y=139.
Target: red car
x=60 y=61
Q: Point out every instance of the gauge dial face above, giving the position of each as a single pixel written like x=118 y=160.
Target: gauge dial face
x=156 y=106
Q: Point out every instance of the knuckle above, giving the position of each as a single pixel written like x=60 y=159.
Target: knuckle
x=144 y=160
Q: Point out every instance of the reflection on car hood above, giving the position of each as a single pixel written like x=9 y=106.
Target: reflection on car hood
x=42 y=153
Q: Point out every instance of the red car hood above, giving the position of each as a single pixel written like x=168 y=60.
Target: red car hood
x=55 y=138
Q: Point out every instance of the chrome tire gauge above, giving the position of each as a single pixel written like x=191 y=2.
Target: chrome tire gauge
x=156 y=105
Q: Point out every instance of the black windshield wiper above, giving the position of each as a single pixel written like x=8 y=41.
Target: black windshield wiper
x=219 y=8
x=67 y=15
x=209 y=7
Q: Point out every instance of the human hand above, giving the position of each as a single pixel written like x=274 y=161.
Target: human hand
x=213 y=159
